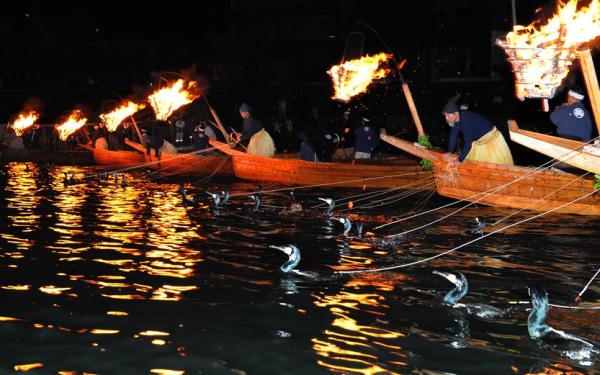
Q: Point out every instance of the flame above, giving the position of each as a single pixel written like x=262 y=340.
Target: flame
x=71 y=125
x=168 y=99
x=354 y=76
x=24 y=121
x=113 y=119
x=541 y=54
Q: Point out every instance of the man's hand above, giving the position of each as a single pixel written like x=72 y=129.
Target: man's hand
x=451 y=159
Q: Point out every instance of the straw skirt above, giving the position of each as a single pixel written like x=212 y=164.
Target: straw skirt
x=261 y=144
x=491 y=148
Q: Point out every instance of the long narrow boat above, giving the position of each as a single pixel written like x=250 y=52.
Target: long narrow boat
x=288 y=169
x=112 y=158
x=507 y=186
x=191 y=164
x=577 y=154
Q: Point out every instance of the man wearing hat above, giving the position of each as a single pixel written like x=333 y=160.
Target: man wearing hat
x=250 y=124
x=482 y=141
x=572 y=119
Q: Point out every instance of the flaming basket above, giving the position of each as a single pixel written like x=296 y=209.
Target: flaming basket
x=539 y=71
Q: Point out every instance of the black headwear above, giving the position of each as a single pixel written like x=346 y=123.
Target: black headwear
x=452 y=105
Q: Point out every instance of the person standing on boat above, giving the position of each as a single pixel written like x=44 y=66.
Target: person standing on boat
x=572 y=119
x=254 y=134
x=250 y=124
x=366 y=139
x=482 y=141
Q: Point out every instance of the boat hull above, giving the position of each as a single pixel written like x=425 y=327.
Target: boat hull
x=388 y=173
x=187 y=164
x=508 y=186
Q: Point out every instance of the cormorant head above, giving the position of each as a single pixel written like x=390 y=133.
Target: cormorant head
x=461 y=287
x=293 y=254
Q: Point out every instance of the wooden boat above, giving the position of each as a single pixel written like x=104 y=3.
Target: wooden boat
x=191 y=164
x=577 y=154
x=121 y=158
x=288 y=169
x=507 y=186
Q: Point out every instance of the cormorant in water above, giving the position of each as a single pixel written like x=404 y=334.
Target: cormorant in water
x=561 y=342
x=461 y=288
x=330 y=205
x=478 y=228
x=347 y=224
x=293 y=254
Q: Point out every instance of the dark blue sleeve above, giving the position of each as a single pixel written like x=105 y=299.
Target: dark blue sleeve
x=453 y=139
x=465 y=151
x=559 y=115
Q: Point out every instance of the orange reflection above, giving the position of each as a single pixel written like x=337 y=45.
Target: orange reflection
x=29 y=366
x=349 y=345
x=21 y=196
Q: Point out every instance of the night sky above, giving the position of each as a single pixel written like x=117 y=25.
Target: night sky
x=72 y=53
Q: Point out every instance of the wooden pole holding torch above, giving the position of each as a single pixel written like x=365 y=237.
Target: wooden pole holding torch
x=591 y=82
x=87 y=135
x=137 y=130
x=217 y=119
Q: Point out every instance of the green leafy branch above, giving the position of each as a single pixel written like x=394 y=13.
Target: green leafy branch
x=423 y=140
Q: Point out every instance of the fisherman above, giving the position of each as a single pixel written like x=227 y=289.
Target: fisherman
x=99 y=133
x=482 y=141
x=156 y=142
x=199 y=138
x=366 y=139
x=253 y=131
x=325 y=141
x=572 y=119
x=250 y=124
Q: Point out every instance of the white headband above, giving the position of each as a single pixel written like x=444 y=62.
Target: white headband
x=576 y=95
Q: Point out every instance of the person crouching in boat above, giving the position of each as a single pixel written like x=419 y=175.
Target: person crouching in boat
x=259 y=141
x=482 y=141
x=199 y=138
x=156 y=141
x=366 y=139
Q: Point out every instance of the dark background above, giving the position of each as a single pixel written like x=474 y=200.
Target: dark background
x=64 y=54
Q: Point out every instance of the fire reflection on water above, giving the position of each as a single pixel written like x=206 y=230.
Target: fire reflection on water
x=351 y=346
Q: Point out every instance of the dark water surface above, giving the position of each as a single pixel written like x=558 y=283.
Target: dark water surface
x=105 y=279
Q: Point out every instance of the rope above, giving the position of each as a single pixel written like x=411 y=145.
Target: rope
x=467 y=243
x=328 y=184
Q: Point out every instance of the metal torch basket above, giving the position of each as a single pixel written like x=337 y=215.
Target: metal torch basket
x=539 y=71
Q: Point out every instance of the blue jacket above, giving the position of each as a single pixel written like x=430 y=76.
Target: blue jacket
x=366 y=139
x=472 y=126
x=572 y=121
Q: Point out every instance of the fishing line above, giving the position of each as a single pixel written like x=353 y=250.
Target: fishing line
x=466 y=243
x=547 y=165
